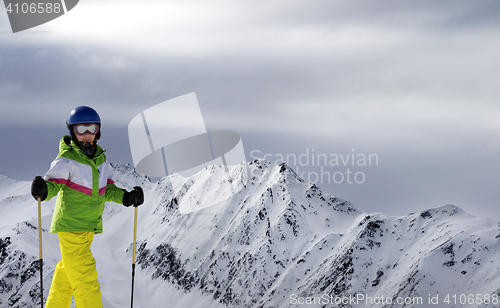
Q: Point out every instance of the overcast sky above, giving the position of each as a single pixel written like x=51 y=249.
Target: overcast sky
x=414 y=83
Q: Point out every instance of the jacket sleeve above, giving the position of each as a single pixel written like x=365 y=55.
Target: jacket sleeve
x=113 y=192
x=56 y=177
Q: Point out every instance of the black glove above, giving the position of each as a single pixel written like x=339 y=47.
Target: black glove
x=134 y=197
x=39 y=188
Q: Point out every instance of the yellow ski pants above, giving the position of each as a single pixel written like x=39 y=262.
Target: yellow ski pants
x=75 y=274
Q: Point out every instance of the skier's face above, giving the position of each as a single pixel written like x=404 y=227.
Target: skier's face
x=86 y=132
x=85 y=138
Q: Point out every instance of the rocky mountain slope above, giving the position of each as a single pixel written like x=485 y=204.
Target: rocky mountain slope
x=266 y=240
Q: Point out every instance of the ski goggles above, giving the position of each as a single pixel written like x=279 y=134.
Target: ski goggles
x=82 y=129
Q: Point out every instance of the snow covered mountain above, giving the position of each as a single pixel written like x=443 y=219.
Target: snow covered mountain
x=274 y=241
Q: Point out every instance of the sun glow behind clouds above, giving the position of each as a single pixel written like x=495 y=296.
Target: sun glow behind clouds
x=204 y=29
x=172 y=27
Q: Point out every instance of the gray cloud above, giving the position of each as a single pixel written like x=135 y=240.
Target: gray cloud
x=414 y=82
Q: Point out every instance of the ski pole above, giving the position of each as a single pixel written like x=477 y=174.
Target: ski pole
x=133 y=258
x=40 y=249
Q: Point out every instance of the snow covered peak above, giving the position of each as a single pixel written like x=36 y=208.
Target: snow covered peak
x=255 y=235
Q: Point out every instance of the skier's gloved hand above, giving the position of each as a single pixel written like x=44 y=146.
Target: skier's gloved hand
x=134 y=197
x=39 y=188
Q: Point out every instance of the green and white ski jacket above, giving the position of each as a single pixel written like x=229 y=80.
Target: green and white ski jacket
x=83 y=184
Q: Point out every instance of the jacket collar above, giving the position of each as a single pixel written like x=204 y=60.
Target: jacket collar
x=66 y=144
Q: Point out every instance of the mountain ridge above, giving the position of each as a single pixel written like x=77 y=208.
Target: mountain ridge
x=268 y=240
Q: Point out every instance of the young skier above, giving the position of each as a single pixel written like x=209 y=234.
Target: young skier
x=82 y=177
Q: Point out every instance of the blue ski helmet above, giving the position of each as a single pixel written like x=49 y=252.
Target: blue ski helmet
x=83 y=114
